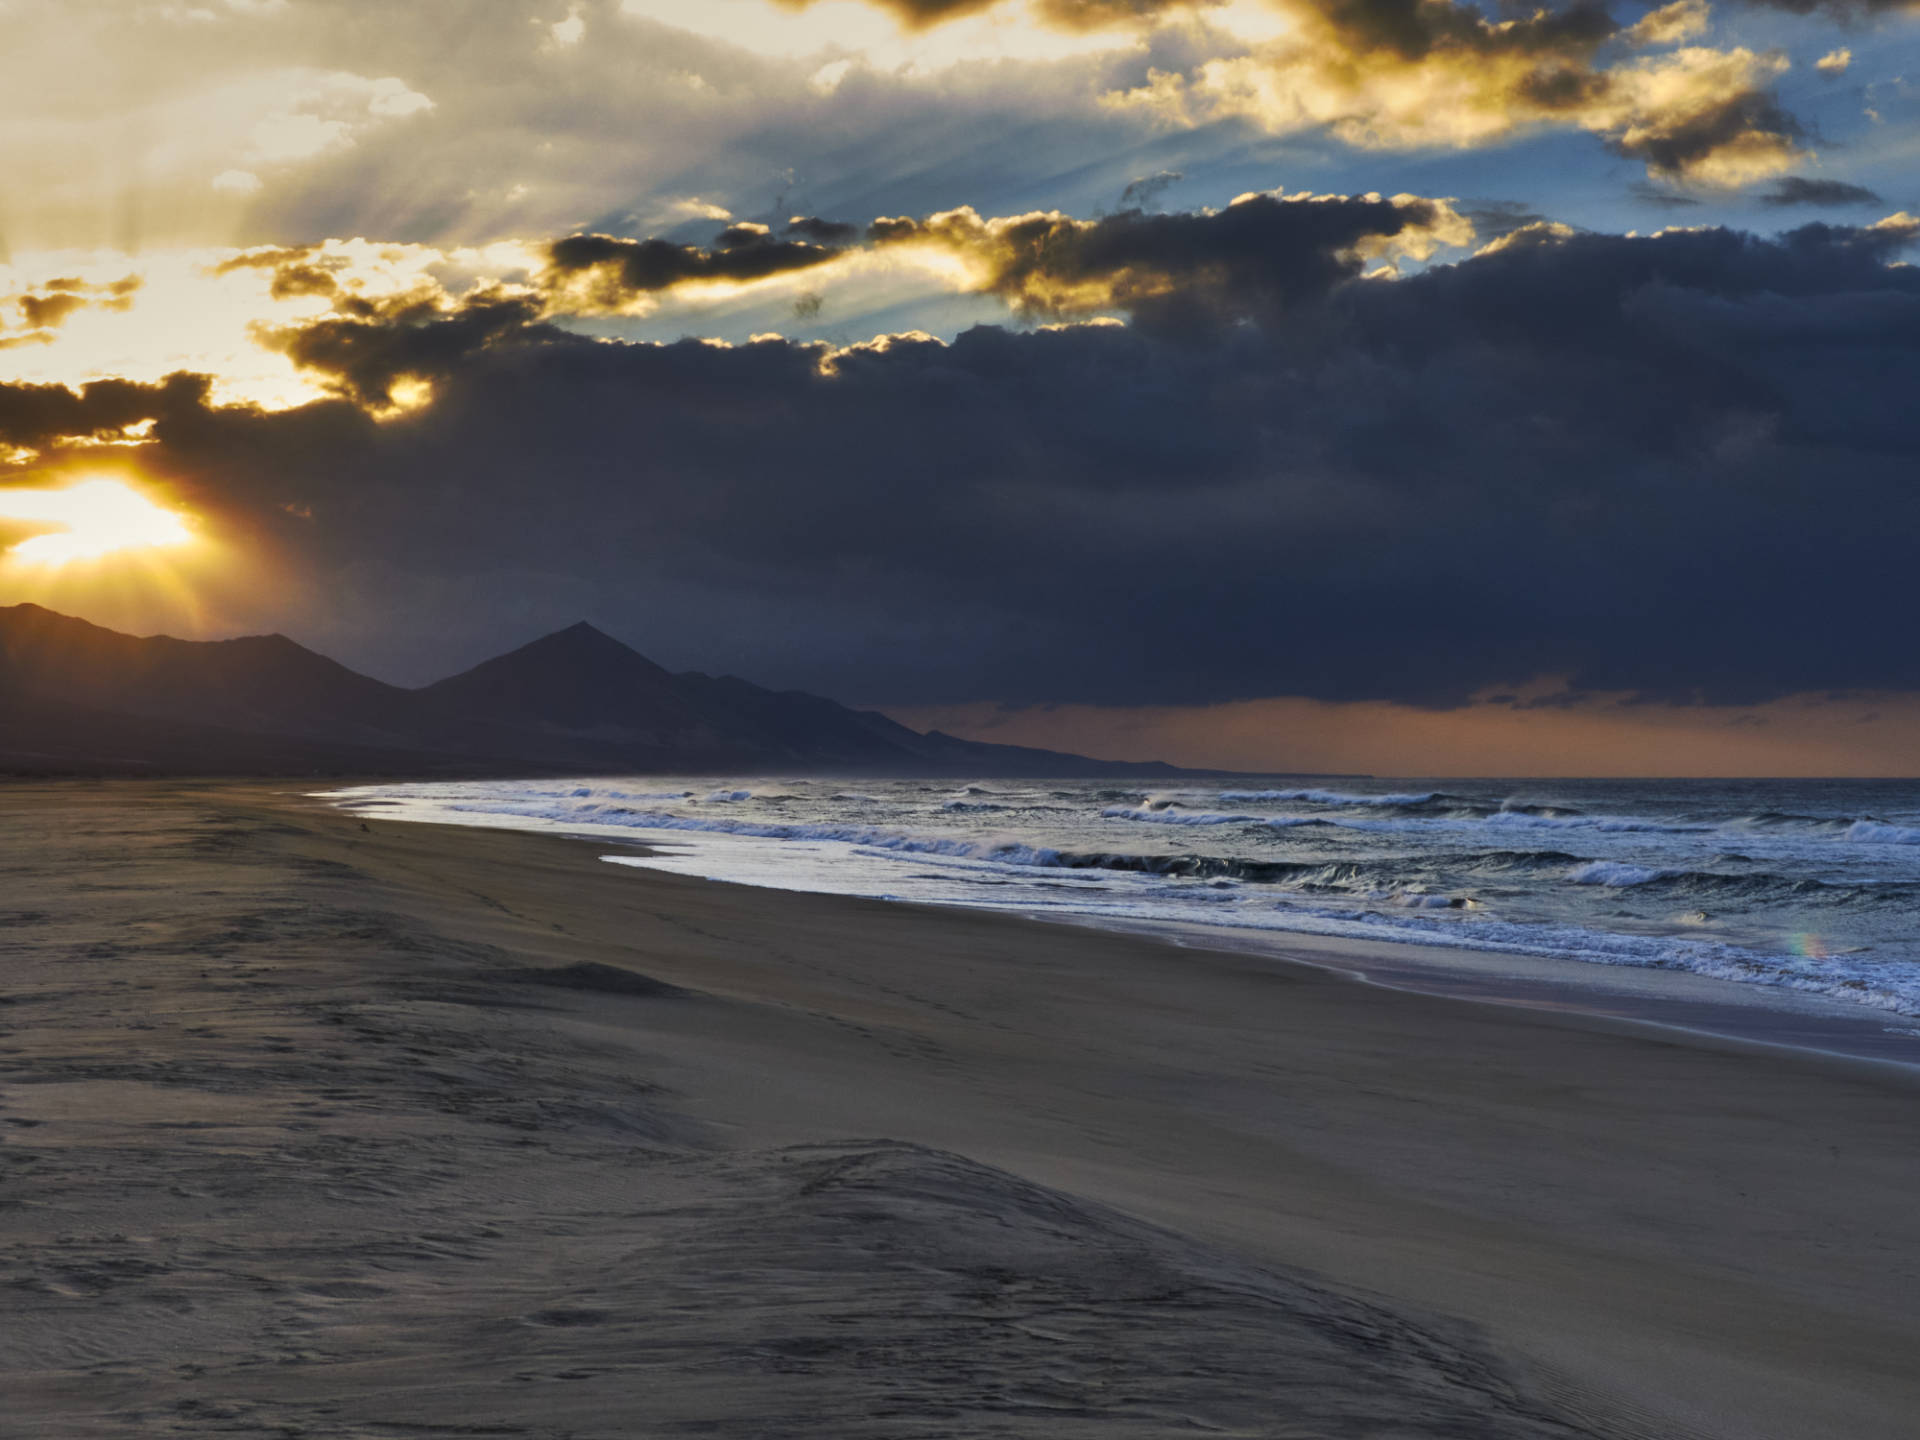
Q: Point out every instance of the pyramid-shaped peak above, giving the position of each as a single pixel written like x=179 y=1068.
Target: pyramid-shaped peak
x=580 y=641
x=578 y=675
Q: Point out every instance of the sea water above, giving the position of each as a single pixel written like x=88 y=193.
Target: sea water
x=1811 y=888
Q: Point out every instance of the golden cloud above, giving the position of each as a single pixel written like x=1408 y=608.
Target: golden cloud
x=1451 y=78
x=1392 y=74
x=45 y=307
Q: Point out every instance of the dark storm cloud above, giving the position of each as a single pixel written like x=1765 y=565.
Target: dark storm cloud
x=374 y=347
x=1630 y=461
x=1799 y=190
x=1252 y=260
x=34 y=416
x=831 y=233
x=609 y=272
x=1414 y=29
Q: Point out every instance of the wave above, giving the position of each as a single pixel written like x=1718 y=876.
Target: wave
x=1427 y=867
x=1500 y=862
x=1755 y=888
x=1157 y=810
x=1423 y=802
x=1878 y=832
x=1772 y=818
x=1604 y=824
x=1338 y=797
x=583 y=792
x=1861 y=829
x=1169 y=815
x=870 y=836
x=1614 y=873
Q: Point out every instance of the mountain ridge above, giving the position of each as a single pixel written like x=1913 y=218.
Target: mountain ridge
x=75 y=696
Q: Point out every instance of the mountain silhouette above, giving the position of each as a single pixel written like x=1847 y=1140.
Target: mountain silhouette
x=78 y=698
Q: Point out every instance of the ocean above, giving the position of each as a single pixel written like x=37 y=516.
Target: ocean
x=1807 y=887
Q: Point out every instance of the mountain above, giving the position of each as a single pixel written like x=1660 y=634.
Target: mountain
x=78 y=697
x=574 y=694
x=262 y=684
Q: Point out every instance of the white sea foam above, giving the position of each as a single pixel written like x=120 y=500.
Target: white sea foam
x=1173 y=816
x=1331 y=797
x=1874 y=832
x=1603 y=824
x=1816 y=900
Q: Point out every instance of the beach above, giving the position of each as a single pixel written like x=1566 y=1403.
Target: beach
x=316 y=1124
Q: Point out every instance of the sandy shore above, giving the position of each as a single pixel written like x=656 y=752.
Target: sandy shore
x=321 y=1128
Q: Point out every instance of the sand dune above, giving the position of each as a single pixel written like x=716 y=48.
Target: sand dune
x=314 y=1129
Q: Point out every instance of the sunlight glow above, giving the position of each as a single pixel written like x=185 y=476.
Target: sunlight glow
x=95 y=518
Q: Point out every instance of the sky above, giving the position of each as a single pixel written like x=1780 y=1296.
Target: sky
x=1401 y=386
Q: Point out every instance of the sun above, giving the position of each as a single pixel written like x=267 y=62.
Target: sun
x=94 y=518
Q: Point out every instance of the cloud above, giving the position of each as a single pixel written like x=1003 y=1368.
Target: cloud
x=1681 y=19
x=1142 y=194
x=1065 y=14
x=833 y=234
x=359 y=118
x=1834 y=62
x=1645 y=192
x=1670 y=24
x=33 y=417
x=567 y=33
x=1389 y=74
x=1800 y=190
x=1252 y=260
x=326 y=111
x=1844 y=11
x=45 y=307
x=391 y=354
x=1578 y=455
x=392 y=321
x=362 y=119
x=1383 y=76
x=604 y=274
x=1496 y=218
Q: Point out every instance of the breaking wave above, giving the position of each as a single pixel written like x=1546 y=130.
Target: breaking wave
x=1775 y=884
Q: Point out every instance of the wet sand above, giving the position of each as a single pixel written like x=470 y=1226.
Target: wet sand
x=314 y=1129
